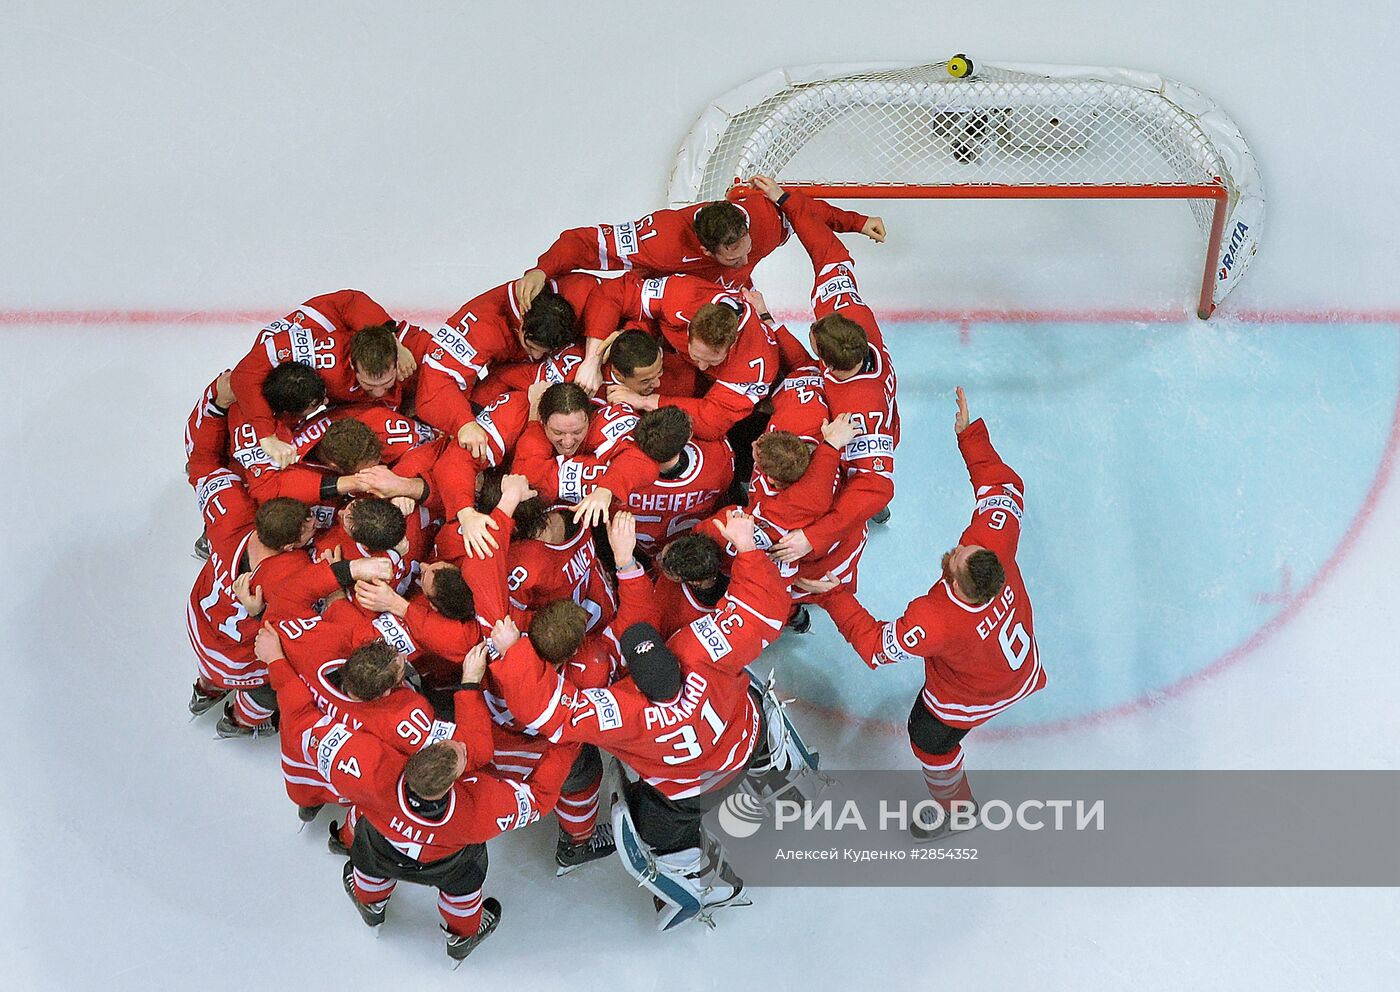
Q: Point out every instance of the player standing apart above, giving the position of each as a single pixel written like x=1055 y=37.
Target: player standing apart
x=972 y=630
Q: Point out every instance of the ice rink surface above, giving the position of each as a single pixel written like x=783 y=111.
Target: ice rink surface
x=1212 y=521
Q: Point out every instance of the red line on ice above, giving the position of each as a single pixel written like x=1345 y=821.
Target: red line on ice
x=964 y=319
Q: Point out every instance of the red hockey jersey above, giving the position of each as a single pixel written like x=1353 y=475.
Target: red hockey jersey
x=978 y=660
x=664 y=242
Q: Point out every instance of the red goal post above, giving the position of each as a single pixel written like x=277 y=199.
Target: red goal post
x=1003 y=131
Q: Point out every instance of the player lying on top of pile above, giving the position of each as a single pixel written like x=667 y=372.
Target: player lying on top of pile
x=381 y=502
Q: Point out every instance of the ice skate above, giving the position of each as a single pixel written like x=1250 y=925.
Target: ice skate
x=458 y=946
x=372 y=912
x=570 y=856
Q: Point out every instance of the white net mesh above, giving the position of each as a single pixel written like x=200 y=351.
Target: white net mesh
x=919 y=126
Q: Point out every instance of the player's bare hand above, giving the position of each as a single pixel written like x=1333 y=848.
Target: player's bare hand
x=874 y=229
x=767 y=187
x=817 y=586
x=371 y=569
x=839 y=432
x=473 y=437
x=794 y=545
x=622 y=538
x=330 y=556
x=515 y=489
x=280 y=452
x=533 y=394
x=737 y=529
x=589 y=375
x=527 y=287
x=593 y=508
x=381 y=598
x=504 y=634
x=223 y=391
x=267 y=645
x=407 y=364
x=755 y=299
x=476 y=532
x=252 y=599
x=406 y=505
x=382 y=481
x=621 y=394
x=961 y=421
x=474 y=665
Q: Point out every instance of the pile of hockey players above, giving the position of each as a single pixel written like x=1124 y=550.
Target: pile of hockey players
x=456 y=570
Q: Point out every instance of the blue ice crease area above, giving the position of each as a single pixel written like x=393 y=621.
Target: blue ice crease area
x=1182 y=483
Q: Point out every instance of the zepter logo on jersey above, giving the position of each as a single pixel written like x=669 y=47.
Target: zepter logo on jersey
x=841 y=284
x=213 y=484
x=394 y=633
x=652 y=291
x=329 y=747
x=711 y=638
x=454 y=342
x=605 y=707
x=869 y=446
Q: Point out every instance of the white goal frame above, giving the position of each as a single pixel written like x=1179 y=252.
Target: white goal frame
x=1005 y=131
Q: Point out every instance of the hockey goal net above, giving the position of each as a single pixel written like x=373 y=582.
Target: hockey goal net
x=1000 y=131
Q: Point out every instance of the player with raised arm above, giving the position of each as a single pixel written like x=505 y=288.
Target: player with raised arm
x=973 y=630
x=858 y=378
x=720 y=242
x=687 y=721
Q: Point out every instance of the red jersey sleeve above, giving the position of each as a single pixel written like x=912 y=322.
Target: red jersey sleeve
x=835 y=285
x=610 y=305
x=206 y=436
x=877 y=643
x=227 y=510
x=1000 y=493
x=533 y=689
x=656 y=242
x=443 y=636
x=749 y=616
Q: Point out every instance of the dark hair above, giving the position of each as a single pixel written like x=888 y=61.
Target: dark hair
x=563 y=397
x=488 y=488
x=279 y=521
x=376 y=523
x=349 y=446
x=375 y=349
x=451 y=596
x=985 y=576
x=557 y=630
x=293 y=388
x=370 y=671
x=531 y=517
x=431 y=772
x=550 y=322
x=840 y=342
x=632 y=350
x=693 y=558
x=720 y=223
x=662 y=434
x=783 y=457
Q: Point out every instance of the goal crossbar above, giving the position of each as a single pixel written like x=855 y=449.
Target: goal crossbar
x=1005 y=131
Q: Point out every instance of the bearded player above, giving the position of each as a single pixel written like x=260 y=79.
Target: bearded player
x=972 y=630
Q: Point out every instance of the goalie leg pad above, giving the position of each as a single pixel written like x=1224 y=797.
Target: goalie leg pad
x=789 y=769
x=691 y=883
